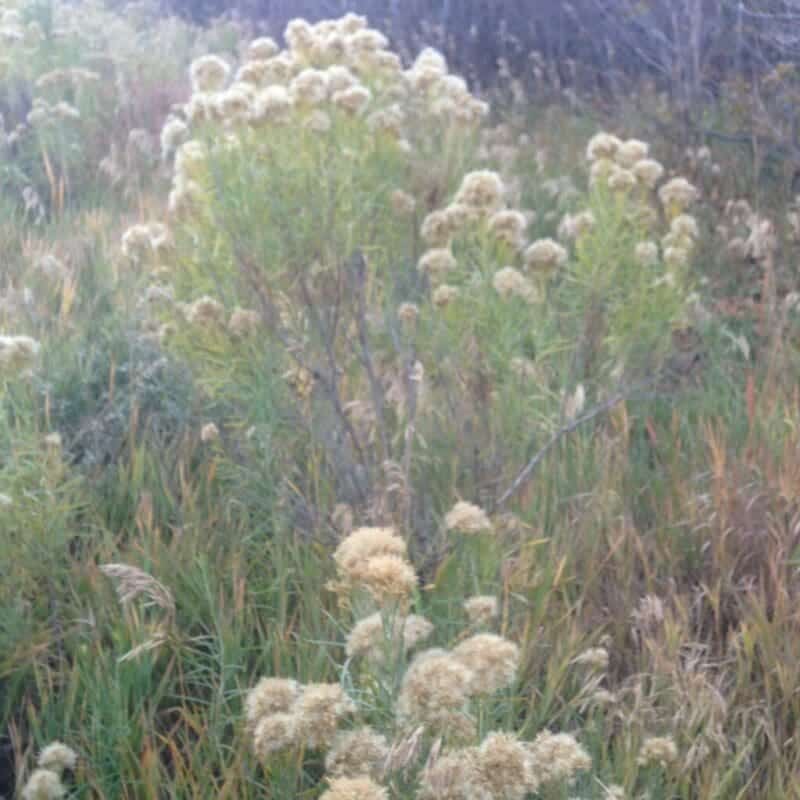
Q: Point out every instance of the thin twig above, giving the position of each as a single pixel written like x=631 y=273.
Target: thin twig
x=528 y=470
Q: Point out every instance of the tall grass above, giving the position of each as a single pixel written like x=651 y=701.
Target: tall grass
x=309 y=316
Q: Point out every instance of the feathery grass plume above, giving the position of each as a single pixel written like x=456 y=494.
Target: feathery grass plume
x=270 y=696
x=208 y=73
x=503 y=768
x=132 y=583
x=482 y=609
x=466 y=517
x=319 y=710
x=545 y=254
x=362 y=751
x=43 y=784
x=444 y=295
x=595 y=658
x=483 y=190
x=275 y=732
x=557 y=757
x=358 y=788
x=492 y=660
x=509 y=282
x=660 y=750
x=630 y=152
x=57 y=757
x=452 y=777
x=648 y=172
x=437 y=263
x=434 y=685
x=602 y=146
x=646 y=254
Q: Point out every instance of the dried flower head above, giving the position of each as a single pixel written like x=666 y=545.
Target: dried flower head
x=467 y=518
x=244 y=322
x=573 y=226
x=444 y=295
x=273 y=733
x=545 y=254
x=602 y=146
x=360 y=788
x=630 y=152
x=434 y=684
x=676 y=257
x=309 y=88
x=209 y=433
x=452 y=777
x=660 y=750
x=262 y=49
x=648 y=172
x=362 y=751
x=557 y=757
x=319 y=710
x=43 y=784
x=270 y=696
x=508 y=226
x=17 y=353
x=509 y=282
x=646 y=254
x=353 y=553
x=492 y=660
x=437 y=263
x=685 y=226
x=621 y=180
x=482 y=609
x=57 y=757
x=173 y=134
x=208 y=73
x=503 y=768
x=205 y=312
x=352 y=100
x=482 y=190
x=677 y=195
x=388 y=578
x=408 y=313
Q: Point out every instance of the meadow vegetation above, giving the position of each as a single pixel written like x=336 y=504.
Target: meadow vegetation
x=367 y=437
